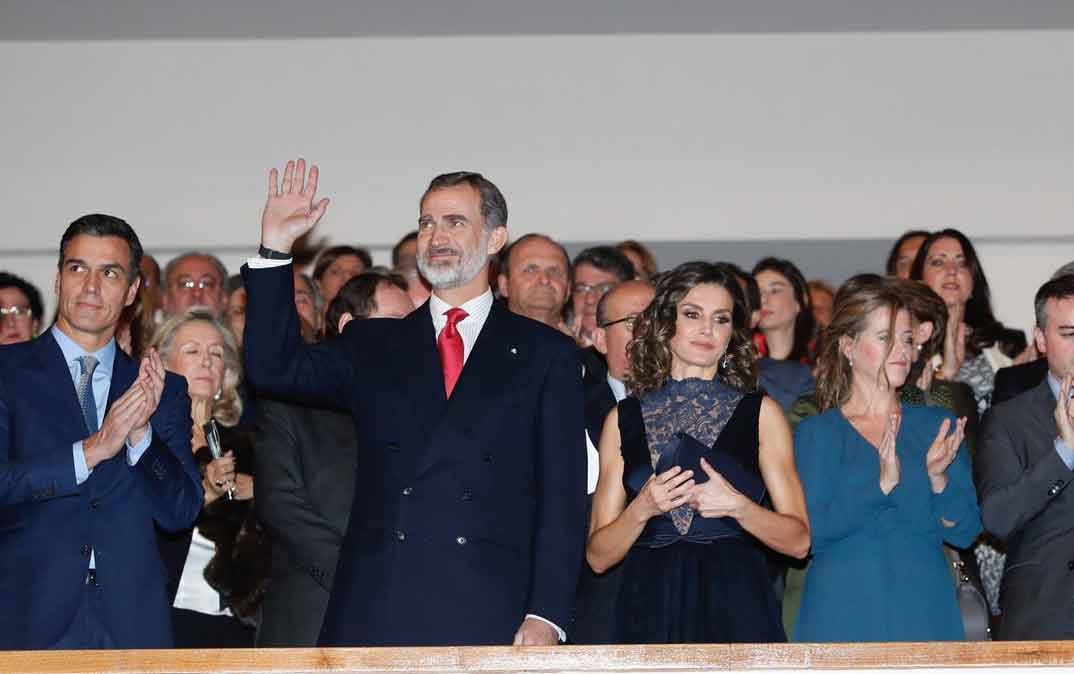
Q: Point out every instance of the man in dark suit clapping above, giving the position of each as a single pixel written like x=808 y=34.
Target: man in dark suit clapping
x=1024 y=466
x=468 y=514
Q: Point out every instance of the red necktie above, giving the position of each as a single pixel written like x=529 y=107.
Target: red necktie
x=451 y=350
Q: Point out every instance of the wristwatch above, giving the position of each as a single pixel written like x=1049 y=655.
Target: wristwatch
x=270 y=254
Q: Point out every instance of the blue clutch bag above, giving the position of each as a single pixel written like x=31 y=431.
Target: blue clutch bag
x=687 y=454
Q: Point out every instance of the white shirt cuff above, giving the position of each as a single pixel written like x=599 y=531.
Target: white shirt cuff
x=560 y=632
x=265 y=263
x=82 y=471
x=134 y=453
x=1065 y=453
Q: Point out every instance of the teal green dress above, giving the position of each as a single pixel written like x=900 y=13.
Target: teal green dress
x=861 y=536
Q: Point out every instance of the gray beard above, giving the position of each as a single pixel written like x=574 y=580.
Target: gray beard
x=446 y=277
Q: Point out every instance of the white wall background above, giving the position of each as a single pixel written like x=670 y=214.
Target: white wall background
x=684 y=137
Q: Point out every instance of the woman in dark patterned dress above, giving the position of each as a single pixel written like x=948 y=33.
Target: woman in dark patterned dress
x=690 y=540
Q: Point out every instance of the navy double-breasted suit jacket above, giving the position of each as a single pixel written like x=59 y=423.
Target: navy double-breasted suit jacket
x=468 y=513
x=49 y=524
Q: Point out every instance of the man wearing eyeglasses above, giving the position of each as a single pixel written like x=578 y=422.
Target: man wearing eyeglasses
x=20 y=309
x=195 y=279
x=596 y=271
x=603 y=389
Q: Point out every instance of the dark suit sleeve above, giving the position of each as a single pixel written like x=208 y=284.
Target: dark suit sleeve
x=166 y=469
x=561 y=474
x=282 y=501
x=1011 y=489
x=277 y=362
x=44 y=475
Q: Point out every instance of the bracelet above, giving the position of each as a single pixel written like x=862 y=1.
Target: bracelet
x=270 y=254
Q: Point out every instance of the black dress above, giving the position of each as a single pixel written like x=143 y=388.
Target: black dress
x=690 y=579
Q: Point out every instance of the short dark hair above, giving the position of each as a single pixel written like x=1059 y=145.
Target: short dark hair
x=505 y=256
x=608 y=259
x=493 y=205
x=1056 y=288
x=357 y=297
x=33 y=295
x=99 y=224
x=893 y=255
x=805 y=326
x=330 y=255
x=397 y=249
x=979 y=315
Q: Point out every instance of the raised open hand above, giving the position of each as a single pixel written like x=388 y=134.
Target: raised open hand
x=890 y=470
x=942 y=452
x=1064 y=410
x=290 y=211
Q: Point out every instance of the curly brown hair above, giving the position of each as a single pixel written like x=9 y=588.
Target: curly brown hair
x=854 y=303
x=650 y=351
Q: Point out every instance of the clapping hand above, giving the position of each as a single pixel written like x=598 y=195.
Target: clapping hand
x=954 y=343
x=1064 y=410
x=290 y=211
x=151 y=378
x=664 y=492
x=942 y=452
x=219 y=476
x=889 y=458
x=716 y=497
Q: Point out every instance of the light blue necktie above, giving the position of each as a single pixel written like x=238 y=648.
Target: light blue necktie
x=85 y=392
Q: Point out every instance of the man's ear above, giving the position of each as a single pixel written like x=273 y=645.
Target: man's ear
x=347 y=317
x=1038 y=338
x=497 y=240
x=501 y=282
x=600 y=340
x=132 y=291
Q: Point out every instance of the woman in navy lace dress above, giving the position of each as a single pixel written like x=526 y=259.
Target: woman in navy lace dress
x=689 y=538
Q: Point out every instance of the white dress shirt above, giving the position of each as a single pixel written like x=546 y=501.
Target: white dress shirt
x=591 y=451
x=477 y=310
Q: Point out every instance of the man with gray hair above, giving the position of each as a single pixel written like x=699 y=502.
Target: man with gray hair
x=195 y=279
x=468 y=521
x=1017 y=379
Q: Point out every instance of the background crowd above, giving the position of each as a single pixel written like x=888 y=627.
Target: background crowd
x=767 y=457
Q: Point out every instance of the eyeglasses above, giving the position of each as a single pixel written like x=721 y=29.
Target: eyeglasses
x=17 y=311
x=585 y=289
x=189 y=284
x=625 y=319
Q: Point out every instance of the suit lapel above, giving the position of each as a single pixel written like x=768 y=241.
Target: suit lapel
x=489 y=366
x=54 y=380
x=425 y=384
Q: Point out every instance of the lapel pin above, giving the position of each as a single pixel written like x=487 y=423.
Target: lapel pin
x=514 y=351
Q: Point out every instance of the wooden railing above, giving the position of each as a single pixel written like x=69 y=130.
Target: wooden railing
x=753 y=658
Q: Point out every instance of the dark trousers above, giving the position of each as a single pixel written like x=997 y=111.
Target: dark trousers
x=201 y=630
x=87 y=629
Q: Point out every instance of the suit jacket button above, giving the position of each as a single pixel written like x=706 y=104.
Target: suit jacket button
x=94 y=504
x=85 y=550
x=393 y=446
x=466 y=495
x=1070 y=565
x=461 y=540
x=400 y=535
x=487 y=458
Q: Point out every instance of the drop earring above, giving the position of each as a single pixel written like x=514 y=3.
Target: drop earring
x=726 y=361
